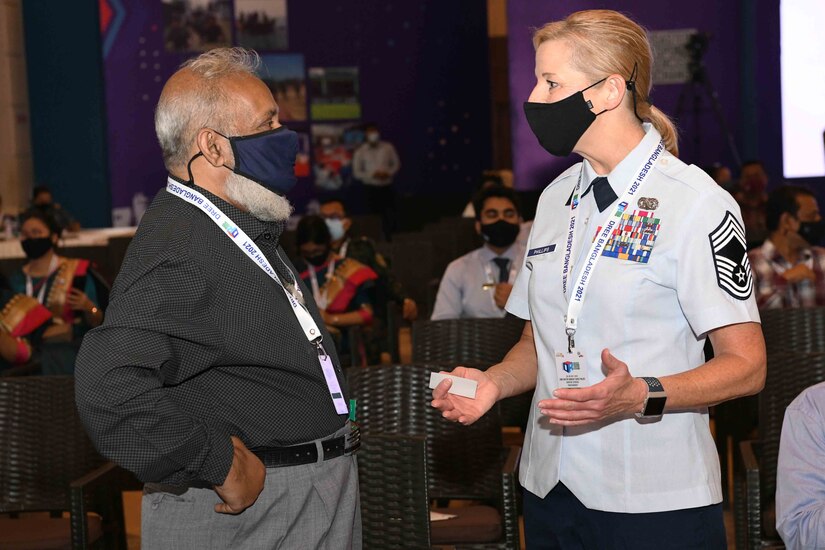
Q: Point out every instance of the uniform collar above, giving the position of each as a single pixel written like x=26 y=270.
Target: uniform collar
x=248 y=223
x=620 y=177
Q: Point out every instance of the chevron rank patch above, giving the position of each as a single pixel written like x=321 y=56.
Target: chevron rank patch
x=733 y=271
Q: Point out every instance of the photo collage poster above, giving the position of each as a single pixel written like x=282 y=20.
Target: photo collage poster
x=328 y=124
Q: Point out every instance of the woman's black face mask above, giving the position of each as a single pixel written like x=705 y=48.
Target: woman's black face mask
x=559 y=125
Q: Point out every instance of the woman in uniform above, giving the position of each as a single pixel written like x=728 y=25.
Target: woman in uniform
x=634 y=259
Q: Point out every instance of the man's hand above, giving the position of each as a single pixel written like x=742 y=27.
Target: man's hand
x=243 y=483
x=501 y=294
x=799 y=272
x=463 y=409
x=409 y=311
x=619 y=393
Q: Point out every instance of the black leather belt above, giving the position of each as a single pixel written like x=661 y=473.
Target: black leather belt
x=307 y=453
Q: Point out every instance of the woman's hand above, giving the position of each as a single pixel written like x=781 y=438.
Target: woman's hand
x=463 y=409
x=78 y=301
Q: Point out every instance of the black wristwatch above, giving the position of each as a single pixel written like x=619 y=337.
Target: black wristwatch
x=655 y=401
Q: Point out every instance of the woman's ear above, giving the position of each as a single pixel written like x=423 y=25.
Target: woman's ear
x=615 y=89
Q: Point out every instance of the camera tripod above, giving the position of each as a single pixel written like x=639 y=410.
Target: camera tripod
x=699 y=87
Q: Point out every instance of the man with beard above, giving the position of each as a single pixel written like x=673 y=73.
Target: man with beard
x=213 y=378
x=790 y=266
x=478 y=284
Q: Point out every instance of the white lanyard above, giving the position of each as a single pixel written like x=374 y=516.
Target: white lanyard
x=576 y=301
x=320 y=298
x=248 y=247
x=41 y=294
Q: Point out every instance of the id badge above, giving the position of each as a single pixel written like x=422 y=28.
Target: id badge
x=571 y=370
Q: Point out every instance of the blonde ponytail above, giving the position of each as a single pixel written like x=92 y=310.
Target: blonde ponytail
x=666 y=128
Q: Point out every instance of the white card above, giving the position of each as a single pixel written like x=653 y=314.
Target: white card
x=571 y=370
x=461 y=386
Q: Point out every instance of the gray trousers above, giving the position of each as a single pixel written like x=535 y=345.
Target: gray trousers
x=312 y=506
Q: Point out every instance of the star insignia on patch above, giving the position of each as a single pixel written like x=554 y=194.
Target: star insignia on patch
x=733 y=271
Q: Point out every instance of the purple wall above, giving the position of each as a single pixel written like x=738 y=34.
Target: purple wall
x=534 y=168
x=423 y=78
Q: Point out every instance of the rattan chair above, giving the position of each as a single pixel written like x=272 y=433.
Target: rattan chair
x=788 y=375
x=392 y=478
x=478 y=343
x=798 y=330
x=463 y=462
x=49 y=466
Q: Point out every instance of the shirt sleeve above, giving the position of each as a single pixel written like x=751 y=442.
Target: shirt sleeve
x=714 y=282
x=800 y=483
x=518 y=303
x=359 y=171
x=448 y=299
x=160 y=321
x=768 y=283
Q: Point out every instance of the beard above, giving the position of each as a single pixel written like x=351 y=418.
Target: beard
x=257 y=199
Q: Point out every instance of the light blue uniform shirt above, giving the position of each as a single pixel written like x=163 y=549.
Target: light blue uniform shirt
x=800 y=472
x=652 y=314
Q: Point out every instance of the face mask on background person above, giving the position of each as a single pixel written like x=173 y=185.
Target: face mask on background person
x=812 y=232
x=336 y=228
x=559 y=125
x=500 y=234
x=36 y=248
x=317 y=259
x=267 y=158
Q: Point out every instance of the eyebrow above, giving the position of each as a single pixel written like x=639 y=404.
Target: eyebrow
x=269 y=114
x=547 y=75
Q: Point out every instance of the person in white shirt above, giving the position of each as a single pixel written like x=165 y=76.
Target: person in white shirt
x=634 y=259
x=478 y=284
x=800 y=476
x=375 y=164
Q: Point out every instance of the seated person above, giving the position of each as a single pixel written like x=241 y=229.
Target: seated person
x=43 y=202
x=800 y=476
x=341 y=286
x=478 y=284
x=23 y=324
x=789 y=268
x=362 y=249
x=62 y=285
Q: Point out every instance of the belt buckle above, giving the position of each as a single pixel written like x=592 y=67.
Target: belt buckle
x=352 y=440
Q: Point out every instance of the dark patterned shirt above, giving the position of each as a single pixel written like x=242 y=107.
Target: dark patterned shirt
x=200 y=344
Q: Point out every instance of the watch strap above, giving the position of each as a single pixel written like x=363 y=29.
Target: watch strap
x=654 y=404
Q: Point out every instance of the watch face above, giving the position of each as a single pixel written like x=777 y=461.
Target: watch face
x=655 y=406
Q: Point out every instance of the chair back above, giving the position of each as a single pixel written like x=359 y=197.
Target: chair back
x=788 y=375
x=801 y=330
x=392 y=478
x=480 y=343
x=462 y=461
x=44 y=446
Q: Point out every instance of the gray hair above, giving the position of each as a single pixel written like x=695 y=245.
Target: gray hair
x=179 y=116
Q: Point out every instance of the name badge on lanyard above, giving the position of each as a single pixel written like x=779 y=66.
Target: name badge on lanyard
x=566 y=362
x=248 y=247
